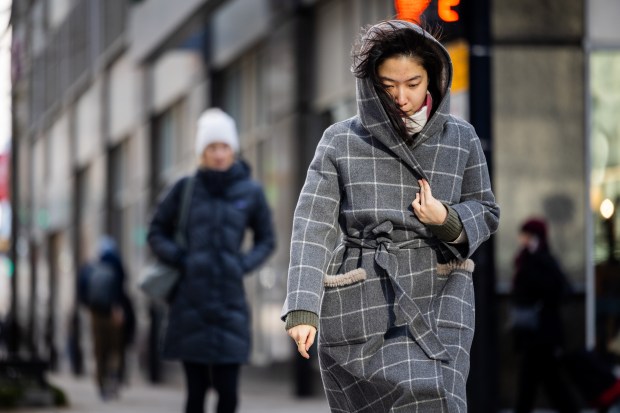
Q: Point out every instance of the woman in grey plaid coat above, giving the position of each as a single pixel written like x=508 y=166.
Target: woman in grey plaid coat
x=407 y=185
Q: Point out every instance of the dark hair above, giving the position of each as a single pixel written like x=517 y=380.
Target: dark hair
x=390 y=40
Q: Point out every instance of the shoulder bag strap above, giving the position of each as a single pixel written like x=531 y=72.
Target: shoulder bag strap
x=179 y=235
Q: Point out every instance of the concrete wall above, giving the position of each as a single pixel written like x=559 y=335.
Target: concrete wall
x=538 y=126
x=145 y=36
x=539 y=150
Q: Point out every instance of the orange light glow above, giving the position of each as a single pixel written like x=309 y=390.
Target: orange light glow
x=411 y=10
x=445 y=12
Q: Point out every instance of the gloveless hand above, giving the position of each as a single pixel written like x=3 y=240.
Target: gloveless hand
x=428 y=210
x=304 y=338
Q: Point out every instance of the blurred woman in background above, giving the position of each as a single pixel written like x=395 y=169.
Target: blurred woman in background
x=209 y=321
x=539 y=286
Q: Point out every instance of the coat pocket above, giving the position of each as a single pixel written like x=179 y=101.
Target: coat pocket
x=342 y=320
x=454 y=305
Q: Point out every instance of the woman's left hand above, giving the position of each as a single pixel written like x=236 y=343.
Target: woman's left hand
x=304 y=336
x=428 y=210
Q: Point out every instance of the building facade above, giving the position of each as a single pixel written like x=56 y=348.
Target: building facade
x=106 y=95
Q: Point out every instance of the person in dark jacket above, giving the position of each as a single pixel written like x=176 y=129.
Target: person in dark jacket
x=539 y=286
x=112 y=316
x=209 y=321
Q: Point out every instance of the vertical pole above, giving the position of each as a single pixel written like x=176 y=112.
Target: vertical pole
x=590 y=281
x=305 y=146
x=13 y=344
x=483 y=381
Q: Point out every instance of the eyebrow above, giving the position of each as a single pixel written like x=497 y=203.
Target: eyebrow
x=396 y=81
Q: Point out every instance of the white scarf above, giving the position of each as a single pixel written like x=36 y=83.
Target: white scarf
x=416 y=122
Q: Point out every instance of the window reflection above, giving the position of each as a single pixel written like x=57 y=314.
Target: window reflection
x=605 y=196
x=605 y=147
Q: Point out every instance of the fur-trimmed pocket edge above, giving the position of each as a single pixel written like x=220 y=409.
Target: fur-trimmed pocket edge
x=348 y=278
x=466 y=265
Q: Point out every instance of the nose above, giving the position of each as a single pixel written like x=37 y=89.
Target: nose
x=399 y=97
x=219 y=155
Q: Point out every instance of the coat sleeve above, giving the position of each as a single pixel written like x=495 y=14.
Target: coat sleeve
x=162 y=227
x=315 y=230
x=264 y=237
x=477 y=208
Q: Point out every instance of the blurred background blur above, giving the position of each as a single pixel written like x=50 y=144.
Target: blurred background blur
x=105 y=95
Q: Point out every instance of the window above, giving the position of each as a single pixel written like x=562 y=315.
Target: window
x=117 y=178
x=244 y=92
x=166 y=147
x=605 y=150
x=605 y=194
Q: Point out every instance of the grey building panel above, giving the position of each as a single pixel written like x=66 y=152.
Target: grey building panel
x=254 y=16
x=603 y=18
x=145 y=38
x=537 y=20
x=539 y=149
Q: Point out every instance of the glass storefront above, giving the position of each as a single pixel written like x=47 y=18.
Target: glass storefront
x=605 y=195
x=605 y=178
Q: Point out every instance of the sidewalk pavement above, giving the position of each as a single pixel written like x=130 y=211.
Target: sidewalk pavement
x=261 y=391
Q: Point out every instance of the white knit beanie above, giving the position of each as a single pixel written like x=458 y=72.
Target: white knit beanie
x=214 y=125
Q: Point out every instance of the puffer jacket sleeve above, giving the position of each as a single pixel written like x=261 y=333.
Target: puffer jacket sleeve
x=315 y=230
x=477 y=208
x=264 y=236
x=163 y=225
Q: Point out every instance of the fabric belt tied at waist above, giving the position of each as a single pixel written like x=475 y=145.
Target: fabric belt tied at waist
x=407 y=308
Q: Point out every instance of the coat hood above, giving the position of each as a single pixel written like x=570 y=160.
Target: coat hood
x=374 y=116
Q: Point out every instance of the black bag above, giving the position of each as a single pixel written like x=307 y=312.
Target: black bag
x=159 y=280
x=102 y=288
x=525 y=317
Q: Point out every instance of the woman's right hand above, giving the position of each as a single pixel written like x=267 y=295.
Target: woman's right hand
x=303 y=335
x=429 y=210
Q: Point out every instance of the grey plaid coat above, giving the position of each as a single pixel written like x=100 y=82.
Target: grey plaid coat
x=396 y=305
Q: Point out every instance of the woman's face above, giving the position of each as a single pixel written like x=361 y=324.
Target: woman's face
x=406 y=81
x=528 y=241
x=218 y=156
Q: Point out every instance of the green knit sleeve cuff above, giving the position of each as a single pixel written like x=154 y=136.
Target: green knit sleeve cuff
x=298 y=317
x=450 y=229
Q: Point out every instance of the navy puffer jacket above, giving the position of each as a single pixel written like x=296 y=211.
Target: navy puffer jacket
x=209 y=320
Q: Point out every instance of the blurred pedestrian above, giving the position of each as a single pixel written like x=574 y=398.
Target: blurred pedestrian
x=209 y=322
x=397 y=311
x=539 y=286
x=102 y=290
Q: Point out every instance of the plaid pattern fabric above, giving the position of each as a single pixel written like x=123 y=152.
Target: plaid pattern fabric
x=396 y=339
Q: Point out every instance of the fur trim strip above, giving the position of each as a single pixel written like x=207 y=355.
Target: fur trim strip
x=445 y=269
x=348 y=278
